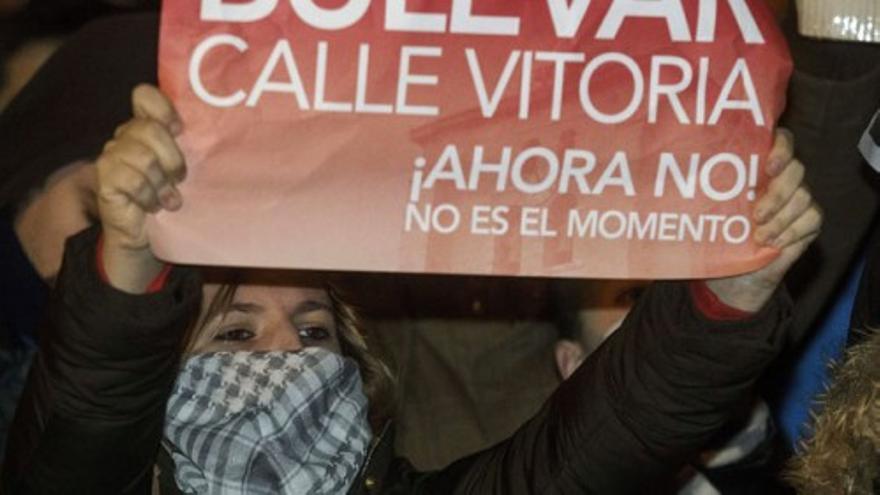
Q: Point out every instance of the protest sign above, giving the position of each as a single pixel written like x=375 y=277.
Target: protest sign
x=578 y=138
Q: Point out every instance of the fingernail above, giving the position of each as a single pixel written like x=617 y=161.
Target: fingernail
x=777 y=243
x=760 y=213
x=175 y=127
x=763 y=238
x=775 y=166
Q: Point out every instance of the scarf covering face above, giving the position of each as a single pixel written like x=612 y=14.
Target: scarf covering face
x=267 y=423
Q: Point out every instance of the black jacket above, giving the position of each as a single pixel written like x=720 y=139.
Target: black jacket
x=91 y=418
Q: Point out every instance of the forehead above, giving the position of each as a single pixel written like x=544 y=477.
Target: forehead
x=273 y=295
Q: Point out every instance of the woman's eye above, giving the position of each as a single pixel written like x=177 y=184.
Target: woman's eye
x=314 y=333
x=234 y=335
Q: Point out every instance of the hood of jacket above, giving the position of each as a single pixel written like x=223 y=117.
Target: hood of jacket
x=843 y=454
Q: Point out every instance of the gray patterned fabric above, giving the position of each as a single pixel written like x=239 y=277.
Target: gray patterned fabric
x=267 y=423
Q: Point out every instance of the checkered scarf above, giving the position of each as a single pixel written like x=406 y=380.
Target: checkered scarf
x=267 y=423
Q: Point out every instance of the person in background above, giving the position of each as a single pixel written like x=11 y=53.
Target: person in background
x=31 y=31
x=51 y=206
x=30 y=257
x=833 y=93
x=742 y=458
x=841 y=451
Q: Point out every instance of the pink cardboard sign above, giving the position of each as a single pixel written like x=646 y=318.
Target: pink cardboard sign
x=576 y=138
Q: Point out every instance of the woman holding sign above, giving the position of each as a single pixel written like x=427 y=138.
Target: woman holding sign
x=152 y=377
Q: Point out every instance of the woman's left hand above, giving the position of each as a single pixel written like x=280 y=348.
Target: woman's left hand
x=787 y=218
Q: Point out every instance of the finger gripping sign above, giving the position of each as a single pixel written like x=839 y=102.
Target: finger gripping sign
x=582 y=138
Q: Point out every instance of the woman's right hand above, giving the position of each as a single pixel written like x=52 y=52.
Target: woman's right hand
x=137 y=175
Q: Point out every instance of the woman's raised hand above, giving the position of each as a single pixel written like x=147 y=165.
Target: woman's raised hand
x=787 y=218
x=138 y=172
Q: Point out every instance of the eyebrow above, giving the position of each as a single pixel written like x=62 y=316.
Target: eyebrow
x=310 y=306
x=302 y=308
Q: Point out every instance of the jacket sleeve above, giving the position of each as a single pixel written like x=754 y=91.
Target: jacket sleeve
x=651 y=396
x=90 y=420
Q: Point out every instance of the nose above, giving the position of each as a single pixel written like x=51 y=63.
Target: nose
x=283 y=336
